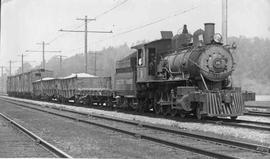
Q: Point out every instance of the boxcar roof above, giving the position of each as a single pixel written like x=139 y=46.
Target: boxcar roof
x=33 y=70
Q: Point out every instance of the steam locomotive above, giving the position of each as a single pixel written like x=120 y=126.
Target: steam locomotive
x=180 y=75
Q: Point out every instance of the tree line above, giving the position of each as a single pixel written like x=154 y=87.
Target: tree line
x=252 y=56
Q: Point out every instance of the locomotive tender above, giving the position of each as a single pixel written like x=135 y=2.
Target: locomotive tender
x=176 y=75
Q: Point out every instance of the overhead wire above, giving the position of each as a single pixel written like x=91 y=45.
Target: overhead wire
x=62 y=33
x=97 y=16
x=151 y=23
x=107 y=11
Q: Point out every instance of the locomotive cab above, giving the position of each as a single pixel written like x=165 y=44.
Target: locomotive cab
x=148 y=55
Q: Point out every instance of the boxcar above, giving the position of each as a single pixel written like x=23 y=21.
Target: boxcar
x=20 y=85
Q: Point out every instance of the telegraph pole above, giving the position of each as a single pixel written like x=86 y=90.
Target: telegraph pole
x=60 y=63
x=43 y=52
x=86 y=20
x=22 y=55
x=95 y=62
x=224 y=20
x=22 y=63
x=10 y=67
x=95 y=71
x=2 y=78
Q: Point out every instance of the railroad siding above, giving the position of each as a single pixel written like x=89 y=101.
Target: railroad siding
x=16 y=144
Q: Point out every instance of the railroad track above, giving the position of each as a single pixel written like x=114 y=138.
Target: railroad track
x=256 y=125
x=49 y=147
x=205 y=145
x=257 y=106
x=251 y=111
x=226 y=122
x=257 y=113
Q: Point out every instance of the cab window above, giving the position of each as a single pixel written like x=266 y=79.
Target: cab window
x=140 y=57
x=152 y=61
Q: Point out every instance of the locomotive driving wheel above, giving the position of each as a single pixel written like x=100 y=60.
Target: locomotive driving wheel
x=166 y=110
x=198 y=111
x=143 y=105
x=157 y=108
x=174 y=112
x=182 y=114
x=156 y=105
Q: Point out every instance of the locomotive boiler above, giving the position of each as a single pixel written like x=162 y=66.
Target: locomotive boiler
x=212 y=62
x=206 y=65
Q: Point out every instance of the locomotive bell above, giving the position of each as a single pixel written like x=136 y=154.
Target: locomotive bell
x=209 y=32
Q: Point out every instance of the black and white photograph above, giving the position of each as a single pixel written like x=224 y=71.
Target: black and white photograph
x=150 y=79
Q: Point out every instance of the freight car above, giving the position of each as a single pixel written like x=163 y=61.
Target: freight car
x=45 y=88
x=20 y=85
x=77 y=88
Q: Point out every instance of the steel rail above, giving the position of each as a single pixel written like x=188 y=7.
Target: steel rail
x=256 y=113
x=247 y=121
x=249 y=146
x=244 y=145
x=260 y=107
x=263 y=126
x=57 y=152
x=241 y=124
x=142 y=136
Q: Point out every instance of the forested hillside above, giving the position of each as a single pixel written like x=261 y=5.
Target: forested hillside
x=253 y=64
x=105 y=62
x=252 y=69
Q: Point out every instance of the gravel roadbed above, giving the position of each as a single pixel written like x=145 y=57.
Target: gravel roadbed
x=241 y=153
x=241 y=134
x=14 y=143
x=82 y=140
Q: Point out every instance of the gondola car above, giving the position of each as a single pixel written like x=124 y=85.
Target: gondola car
x=77 y=88
x=45 y=88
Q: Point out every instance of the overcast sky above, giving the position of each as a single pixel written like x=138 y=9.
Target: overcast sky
x=27 y=22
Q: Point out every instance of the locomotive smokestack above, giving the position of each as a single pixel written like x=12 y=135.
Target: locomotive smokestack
x=209 y=32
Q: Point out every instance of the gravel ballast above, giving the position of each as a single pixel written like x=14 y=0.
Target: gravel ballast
x=83 y=140
x=256 y=136
x=14 y=143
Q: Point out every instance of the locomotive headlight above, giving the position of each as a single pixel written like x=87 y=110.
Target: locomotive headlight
x=217 y=38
